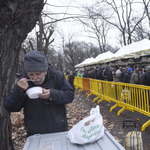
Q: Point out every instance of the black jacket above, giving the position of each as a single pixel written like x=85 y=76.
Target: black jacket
x=127 y=77
x=108 y=75
x=71 y=80
x=147 y=79
x=122 y=75
x=40 y=115
x=100 y=75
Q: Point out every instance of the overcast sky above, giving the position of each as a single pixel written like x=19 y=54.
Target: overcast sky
x=71 y=28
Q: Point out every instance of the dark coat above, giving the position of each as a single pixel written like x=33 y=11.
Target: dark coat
x=95 y=74
x=135 y=77
x=40 y=115
x=108 y=75
x=147 y=79
x=71 y=80
x=100 y=75
x=85 y=74
x=122 y=75
x=127 y=78
x=91 y=75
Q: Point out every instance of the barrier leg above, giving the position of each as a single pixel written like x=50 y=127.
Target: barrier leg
x=113 y=107
x=89 y=94
x=81 y=90
x=123 y=109
x=96 y=98
x=120 y=111
x=145 y=125
x=103 y=99
x=76 y=87
x=100 y=100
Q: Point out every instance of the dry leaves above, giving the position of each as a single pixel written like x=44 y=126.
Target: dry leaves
x=19 y=134
x=75 y=113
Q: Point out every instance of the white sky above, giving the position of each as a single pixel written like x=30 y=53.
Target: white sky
x=71 y=28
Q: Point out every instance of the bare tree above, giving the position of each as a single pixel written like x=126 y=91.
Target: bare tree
x=77 y=52
x=141 y=32
x=97 y=27
x=17 y=19
x=120 y=16
x=44 y=35
x=147 y=9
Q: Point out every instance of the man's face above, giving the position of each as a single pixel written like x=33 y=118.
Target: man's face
x=39 y=77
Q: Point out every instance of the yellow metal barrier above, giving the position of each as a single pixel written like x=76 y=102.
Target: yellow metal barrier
x=66 y=76
x=78 y=83
x=94 y=88
x=128 y=96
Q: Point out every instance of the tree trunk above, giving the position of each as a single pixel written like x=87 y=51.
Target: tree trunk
x=17 y=19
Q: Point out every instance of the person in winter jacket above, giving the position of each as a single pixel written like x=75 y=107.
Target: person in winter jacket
x=90 y=74
x=85 y=74
x=127 y=76
x=135 y=77
x=118 y=73
x=108 y=74
x=95 y=72
x=147 y=77
x=100 y=74
x=47 y=113
x=79 y=74
x=71 y=79
x=123 y=72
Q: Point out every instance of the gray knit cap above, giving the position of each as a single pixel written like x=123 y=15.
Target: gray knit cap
x=35 y=61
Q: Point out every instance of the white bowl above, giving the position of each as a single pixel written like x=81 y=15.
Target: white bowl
x=34 y=92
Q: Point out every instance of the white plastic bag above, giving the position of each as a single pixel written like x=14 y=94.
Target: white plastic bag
x=88 y=130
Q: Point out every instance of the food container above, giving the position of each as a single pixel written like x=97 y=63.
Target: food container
x=34 y=92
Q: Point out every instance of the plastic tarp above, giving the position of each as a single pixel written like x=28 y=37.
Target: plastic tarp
x=133 y=49
x=102 y=57
x=105 y=56
x=88 y=60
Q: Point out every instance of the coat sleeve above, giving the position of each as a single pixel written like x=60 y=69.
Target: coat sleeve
x=65 y=94
x=13 y=102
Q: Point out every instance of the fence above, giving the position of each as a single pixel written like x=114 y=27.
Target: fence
x=127 y=96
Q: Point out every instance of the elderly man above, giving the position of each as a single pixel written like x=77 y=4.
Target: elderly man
x=47 y=113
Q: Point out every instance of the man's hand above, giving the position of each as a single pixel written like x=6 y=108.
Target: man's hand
x=45 y=94
x=23 y=84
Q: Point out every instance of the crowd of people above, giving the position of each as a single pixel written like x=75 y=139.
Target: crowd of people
x=128 y=74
